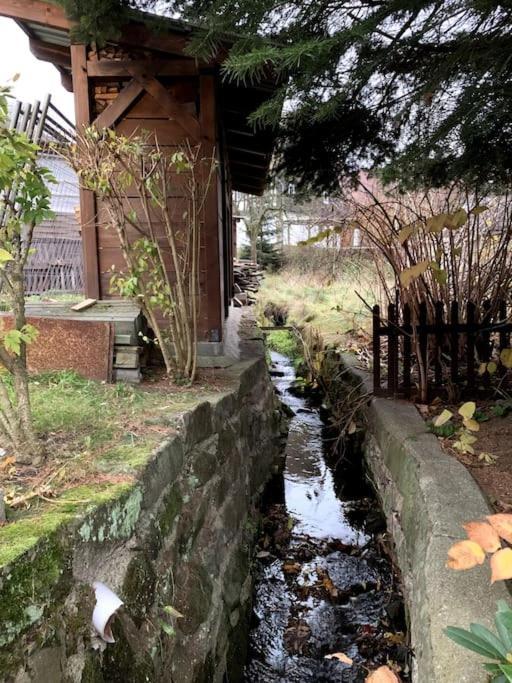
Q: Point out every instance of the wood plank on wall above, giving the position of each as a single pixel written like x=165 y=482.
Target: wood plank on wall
x=208 y=122
x=87 y=199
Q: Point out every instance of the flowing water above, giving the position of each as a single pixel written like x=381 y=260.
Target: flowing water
x=324 y=583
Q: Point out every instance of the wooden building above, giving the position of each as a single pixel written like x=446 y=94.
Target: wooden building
x=146 y=81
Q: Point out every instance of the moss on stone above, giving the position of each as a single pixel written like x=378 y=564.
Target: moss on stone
x=36 y=582
x=20 y=535
x=172 y=506
x=139 y=587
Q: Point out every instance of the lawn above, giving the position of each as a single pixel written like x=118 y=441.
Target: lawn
x=97 y=438
x=326 y=299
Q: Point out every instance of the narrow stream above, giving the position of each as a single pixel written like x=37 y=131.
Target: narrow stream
x=324 y=583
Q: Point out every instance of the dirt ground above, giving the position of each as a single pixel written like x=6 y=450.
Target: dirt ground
x=495 y=439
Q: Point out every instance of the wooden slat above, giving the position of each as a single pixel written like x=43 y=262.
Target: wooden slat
x=470 y=344
x=211 y=233
x=87 y=199
x=56 y=54
x=407 y=348
x=376 y=349
x=108 y=68
x=454 y=342
x=166 y=132
x=165 y=100
x=423 y=337
x=183 y=92
x=114 y=111
x=439 y=322
x=37 y=11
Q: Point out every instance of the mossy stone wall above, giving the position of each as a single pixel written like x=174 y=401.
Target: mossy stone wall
x=180 y=538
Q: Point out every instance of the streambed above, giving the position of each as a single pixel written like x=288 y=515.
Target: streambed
x=324 y=581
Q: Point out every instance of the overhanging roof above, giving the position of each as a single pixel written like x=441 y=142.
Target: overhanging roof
x=249 y=150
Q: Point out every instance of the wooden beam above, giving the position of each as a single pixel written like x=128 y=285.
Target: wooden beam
x=56 y=54
x=173 y=109
x=36 y=11
x=108 y=68
x=212 y=232
x=116 y=109
x=87 y=198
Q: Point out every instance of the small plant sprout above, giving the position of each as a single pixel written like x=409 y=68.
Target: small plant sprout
x=443 y=426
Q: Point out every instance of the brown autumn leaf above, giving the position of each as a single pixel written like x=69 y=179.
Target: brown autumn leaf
x=341 y=657
x=327 y=583
x=382 y=675
x=465 y=555
x=7 y=462
x=291 y=567
x=484 y=534
x=503 y=524
x=501 y=565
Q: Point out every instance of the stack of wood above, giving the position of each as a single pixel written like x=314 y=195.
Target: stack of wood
x=105 y=94
x=247 y=278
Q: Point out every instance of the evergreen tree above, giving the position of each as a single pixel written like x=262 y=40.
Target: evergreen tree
x=421 y=89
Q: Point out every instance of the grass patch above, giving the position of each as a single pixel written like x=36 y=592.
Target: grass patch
x=325 y=301
x=284 y=342
x=97 y=438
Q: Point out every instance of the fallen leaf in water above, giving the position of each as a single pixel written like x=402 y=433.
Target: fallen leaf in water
x=341 y=657
x=296 y=637
x=465 y=555
x=291 y=567
x=383 y=675
x=395 y=638
x=327 y=583
x=263 y=554
x=484 y=534
x=501 y=565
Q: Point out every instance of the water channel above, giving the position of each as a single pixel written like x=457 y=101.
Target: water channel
x=324 y=580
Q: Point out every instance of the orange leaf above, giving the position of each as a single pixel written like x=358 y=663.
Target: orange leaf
x=501 y=565
x=383 y=675
x=484 y=534
x=465 y=555
x=342 y=658
x=6 y=462
x=503 y=525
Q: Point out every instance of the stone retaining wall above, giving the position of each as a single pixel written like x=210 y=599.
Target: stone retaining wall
x=181 y=537
x=427 y=495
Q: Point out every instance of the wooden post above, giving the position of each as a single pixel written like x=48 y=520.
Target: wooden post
x=212 y=237
x=407 y=348
x=439 y=323
x=454 y=341
x=392 y=350
x=470 y=322
x=376 y=349
x=87 y=198
x=504 y=336
x=423 y=346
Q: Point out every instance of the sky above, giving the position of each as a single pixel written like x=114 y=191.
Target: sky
x=37 y=78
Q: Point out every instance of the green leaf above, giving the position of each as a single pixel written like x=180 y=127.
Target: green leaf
x=490 y=638
x=167 y=628
x=5 y=256
x=471 y=642
x=503 y=621
x=12 y=341
x=506 y=669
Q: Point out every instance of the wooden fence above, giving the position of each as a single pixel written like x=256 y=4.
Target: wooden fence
x=452 y=344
